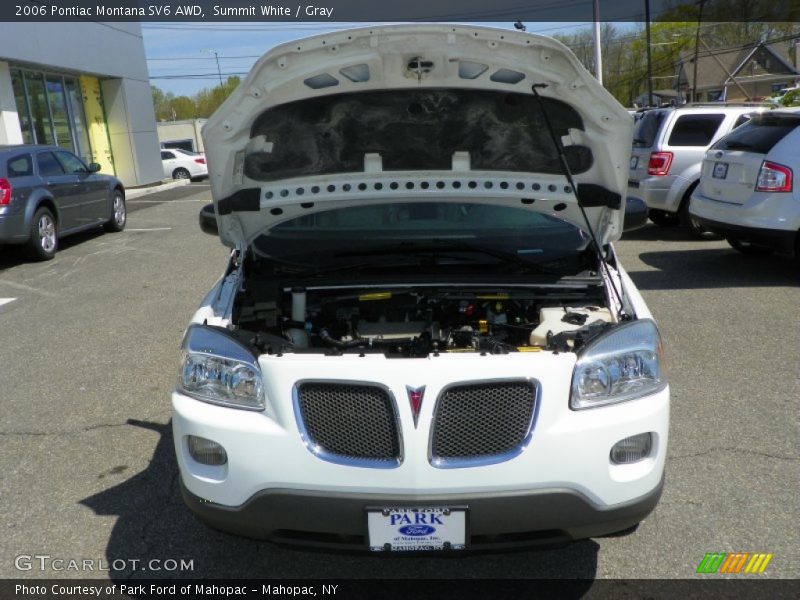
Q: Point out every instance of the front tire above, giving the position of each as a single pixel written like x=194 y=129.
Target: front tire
x=181 y=173
x=119 y=213
x=43 y=242
x=750 y=249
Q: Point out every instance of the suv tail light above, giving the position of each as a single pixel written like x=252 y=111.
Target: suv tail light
x=659 y=163
x=5 y=191
x=200 y=161
x=774 y=178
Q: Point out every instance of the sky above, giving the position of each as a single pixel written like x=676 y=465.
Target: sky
x=180 y=56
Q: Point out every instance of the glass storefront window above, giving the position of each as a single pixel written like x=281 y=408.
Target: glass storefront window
x=50 y=110
x=40 y=113
x=82 y=145
x=57 y=100
x=22 y=106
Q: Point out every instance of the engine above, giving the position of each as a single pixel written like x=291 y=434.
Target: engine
x=413 y=323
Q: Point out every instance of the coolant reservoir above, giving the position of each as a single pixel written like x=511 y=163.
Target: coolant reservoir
x=556 y=319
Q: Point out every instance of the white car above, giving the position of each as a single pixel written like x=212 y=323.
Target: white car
x=181 y=164
x=747 y=192
x=416 y=345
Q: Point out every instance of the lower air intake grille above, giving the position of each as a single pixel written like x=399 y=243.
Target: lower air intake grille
x=482 y=422
x=349 y=423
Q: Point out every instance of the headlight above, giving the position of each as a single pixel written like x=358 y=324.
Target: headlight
x=624 y=364
x=218 y=369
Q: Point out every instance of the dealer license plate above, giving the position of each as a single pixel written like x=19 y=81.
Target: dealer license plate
x=416 y=529
x=720 y=170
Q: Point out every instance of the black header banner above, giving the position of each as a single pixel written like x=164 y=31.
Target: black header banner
x=529 y=11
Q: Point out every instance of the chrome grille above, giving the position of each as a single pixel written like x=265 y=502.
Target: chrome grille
x=349 y=423
x=482 y=422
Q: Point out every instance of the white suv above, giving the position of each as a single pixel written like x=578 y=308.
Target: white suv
x=747 y=191
x=668 y=148
x=418 y=345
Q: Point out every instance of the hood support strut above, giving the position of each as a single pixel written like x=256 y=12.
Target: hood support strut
x=568 y=174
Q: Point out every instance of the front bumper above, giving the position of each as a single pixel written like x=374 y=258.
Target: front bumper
x=495 y=520
x=561 y=486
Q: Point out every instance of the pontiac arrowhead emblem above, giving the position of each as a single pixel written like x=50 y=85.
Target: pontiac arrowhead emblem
x=415 y=396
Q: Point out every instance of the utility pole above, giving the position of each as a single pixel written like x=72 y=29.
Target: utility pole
x=598 y=59
x=697 y=50
x=649 y=57
x=216 y=56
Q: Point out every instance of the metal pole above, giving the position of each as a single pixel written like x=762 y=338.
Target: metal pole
x=697 y=51
x=598 y=59
x=649 y=57
x=219 y=72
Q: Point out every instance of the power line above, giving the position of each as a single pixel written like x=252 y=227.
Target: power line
x=198 y=75
x=207 y=57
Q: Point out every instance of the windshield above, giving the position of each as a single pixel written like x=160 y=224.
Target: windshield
x=646 y=128
x=396 y=233
x=760 y=134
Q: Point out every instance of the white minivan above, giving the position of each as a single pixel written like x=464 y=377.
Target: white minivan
x=423 y=341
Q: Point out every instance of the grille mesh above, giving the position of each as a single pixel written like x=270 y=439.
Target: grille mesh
x=350 y=420
x=482 y=419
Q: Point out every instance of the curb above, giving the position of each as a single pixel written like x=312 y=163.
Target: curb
x=130 y=194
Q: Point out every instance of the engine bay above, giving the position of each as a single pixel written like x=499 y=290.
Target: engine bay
x=417 y=321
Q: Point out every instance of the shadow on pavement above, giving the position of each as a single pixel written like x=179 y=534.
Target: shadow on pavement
x=153 y=523
x=12 y=255
x=714 y=268
x=654 y=233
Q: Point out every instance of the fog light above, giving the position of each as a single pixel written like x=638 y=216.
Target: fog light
x=631 y=449
x=206 y=451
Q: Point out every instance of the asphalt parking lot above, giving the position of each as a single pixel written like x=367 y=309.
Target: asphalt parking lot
x=90 y=352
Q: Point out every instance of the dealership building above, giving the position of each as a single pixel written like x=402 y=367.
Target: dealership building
x=82 y=86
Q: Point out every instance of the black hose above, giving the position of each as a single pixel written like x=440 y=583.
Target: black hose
x=328 y=339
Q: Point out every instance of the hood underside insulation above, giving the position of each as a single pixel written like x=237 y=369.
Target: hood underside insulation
x=413 y=130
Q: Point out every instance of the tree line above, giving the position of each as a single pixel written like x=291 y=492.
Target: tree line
x=201 y=105
x=624 y=51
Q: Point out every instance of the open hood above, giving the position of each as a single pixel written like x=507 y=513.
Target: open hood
x=405 y=113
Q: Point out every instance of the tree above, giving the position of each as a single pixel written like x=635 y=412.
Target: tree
x=791 y=98
x=183 y=107
x=625 y=56
x=162 y=103
x=209 y=100
x=169 y=107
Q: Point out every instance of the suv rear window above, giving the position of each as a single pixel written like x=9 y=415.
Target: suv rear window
x=20 y=166
x=646 y=128
x=760 y=134
x=695 y=130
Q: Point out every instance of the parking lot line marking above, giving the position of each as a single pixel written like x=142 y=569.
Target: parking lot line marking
x=6 y=300
x=151 y=229
x=27 y=288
